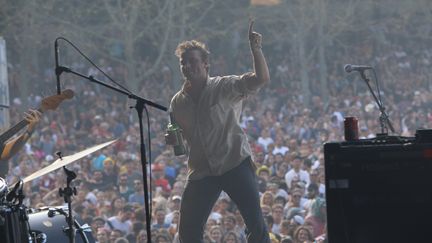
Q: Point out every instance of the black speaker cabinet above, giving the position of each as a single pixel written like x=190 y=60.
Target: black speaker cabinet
x=379 y=190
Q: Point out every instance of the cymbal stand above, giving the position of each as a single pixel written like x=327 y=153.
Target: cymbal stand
x=67 y=194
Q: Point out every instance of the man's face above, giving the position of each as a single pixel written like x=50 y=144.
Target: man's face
x=193 y=67
x=277 y=213
x=314 y=176
x=229 y=224
x=296 y=197
x=312 y=193
x=98 y=176
x=108 y=166
x=259 y=157
x=282 y=169
x=160 y=216
x=264 y=174
x=296 y=163
x=176 y=204
x=97 y=224
x=123 y=180
x=137 y=185
x=102 y=236
x=216 y=234
x=126 y=215
x=114 y=235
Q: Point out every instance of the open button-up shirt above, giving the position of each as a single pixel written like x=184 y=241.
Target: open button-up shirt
x=211 y=127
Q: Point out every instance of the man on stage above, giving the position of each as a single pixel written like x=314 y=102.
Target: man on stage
x=208 y=109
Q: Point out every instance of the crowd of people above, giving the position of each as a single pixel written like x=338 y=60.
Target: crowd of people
x=285 y=131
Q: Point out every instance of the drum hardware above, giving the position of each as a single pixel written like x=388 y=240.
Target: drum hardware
x=16 y=194
x=3 y=189
x=19 y=224
x=14 y=223
x=41 y=232
x=42 y=229
x=52 y=212
x=39 y=237
x=65 y=161
x=48 y=225
x=85 y=228
x=67 y=194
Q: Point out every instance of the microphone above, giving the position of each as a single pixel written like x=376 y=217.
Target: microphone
x=58 y=71
x=349 y=68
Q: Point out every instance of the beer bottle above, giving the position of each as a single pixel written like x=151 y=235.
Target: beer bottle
x=175 y=130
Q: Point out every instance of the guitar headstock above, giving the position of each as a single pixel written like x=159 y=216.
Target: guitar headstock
x=52 y=102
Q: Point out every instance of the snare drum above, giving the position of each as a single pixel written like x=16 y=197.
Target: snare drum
x=53 y=229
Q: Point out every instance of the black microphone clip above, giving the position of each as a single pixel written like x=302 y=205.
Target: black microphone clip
x=360 y=68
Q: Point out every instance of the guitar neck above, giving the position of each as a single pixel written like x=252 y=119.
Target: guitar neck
x=14 y=130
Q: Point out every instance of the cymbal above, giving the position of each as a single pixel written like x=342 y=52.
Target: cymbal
x=65 y=161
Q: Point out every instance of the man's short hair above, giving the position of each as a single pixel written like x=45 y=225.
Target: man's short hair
x=128 y=208
x=100 y=219
x=186 y=46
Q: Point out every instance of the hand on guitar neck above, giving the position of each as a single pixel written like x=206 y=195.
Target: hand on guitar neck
x=31 y=119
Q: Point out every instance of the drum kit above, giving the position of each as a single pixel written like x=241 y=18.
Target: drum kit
x=19 y=224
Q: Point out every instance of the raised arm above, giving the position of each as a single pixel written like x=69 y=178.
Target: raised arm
x=261 y=73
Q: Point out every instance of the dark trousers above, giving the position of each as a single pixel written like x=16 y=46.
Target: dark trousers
x=200 y=196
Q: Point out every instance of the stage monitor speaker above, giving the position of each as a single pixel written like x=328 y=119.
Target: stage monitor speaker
x=379 y=190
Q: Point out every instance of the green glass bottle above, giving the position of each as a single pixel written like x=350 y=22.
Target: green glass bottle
x=173 y=128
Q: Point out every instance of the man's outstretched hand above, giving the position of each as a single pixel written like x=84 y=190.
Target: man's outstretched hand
x=255 y=39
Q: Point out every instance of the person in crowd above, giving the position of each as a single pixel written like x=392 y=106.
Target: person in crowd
x=267 y=198
x=96 y=223
x=312 y=194
x=124 y=189
x=269 y=221
x=114 y=235
x=110 y=171
x=231 y=237
x=163 y=237
x=174 y=206
x=102 y=235
x=159 y=219
x=316 y=216
x=138 y=195
x=117 y=205
x=296 y=172
x=121 y=240
x=215 y=234
x=97 y=181
x=303 y=235
x=121 y=221
x=159 y=179
x=277 y=214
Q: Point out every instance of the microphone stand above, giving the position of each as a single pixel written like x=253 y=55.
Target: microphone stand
x=140 y=102
x=384 y=119
x=58 y=71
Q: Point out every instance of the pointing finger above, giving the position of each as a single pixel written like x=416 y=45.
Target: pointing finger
x=251 y=23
